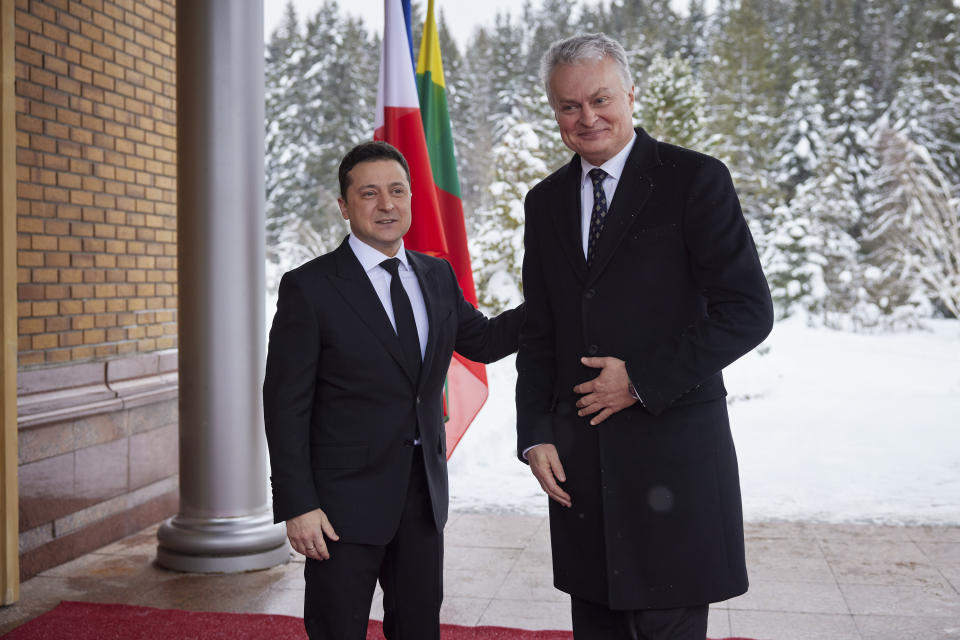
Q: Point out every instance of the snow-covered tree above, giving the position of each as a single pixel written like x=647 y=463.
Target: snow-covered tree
x=826 y=203
x=914 y=233
x=741 y=108
x=497 y=246
x=320 y=100
x=849 y=141
x=802 y=124
x=792 y=255
x=926 y=105
x=792 y=94
x=669 y=104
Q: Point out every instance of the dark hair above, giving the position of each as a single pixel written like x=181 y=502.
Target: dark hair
x=368 y=152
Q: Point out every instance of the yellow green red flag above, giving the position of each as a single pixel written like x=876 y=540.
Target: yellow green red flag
x=467 y=380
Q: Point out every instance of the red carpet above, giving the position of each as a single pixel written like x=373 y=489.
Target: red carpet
x=91 y=621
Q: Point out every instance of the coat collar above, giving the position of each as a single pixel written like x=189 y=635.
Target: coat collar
x=633 y=190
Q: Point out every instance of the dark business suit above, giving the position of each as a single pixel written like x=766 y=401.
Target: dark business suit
x=342 y=404
x=677 y=292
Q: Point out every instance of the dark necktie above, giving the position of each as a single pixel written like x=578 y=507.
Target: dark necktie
x=403 y=315
x=597 y=215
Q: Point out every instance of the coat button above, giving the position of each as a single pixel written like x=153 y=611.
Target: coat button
x=593 y=349
x=589 y=293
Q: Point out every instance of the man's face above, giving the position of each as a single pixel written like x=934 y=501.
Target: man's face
x=594 y=111
x=377 y=204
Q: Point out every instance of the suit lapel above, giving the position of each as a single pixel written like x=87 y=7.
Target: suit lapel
x=430 y=288
x=354 y=286
x=633 y=191
x=567 y=217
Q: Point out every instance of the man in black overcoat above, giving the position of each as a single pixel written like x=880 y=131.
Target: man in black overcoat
x=352 y=398
x=641 y=282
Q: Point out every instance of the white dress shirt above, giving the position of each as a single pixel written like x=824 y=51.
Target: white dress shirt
x=614 y=168
x=370 y=260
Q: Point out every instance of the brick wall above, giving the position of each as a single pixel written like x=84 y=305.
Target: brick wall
x=97 y=273
x=96 y=182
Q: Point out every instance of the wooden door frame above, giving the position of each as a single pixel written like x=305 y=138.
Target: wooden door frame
x=9 y=494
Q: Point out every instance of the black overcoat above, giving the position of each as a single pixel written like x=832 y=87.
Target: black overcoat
x=340 y=405
x=677 y=292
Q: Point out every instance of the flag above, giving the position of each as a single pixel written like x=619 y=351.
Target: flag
x=398 y=122
x=467 y=379
x=438 y=224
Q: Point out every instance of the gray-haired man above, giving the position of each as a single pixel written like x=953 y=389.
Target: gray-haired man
x=641 y=282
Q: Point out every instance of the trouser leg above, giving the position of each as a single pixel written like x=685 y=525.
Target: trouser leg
x=688 y=623
x=412 y=571
x=339 y=591
x=592 y=621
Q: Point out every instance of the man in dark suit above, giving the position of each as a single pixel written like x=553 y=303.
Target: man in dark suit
x=358 y=354
x=641 y=283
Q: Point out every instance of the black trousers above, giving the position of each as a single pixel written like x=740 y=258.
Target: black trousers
x=593 y=621
x=339 y=591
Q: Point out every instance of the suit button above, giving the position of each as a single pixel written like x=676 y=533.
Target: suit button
x=589 y=293
x=418 y=399
x=593 y=349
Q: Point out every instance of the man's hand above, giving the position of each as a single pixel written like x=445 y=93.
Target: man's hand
x=608 y=393
x=545 y=464
x=306 y=532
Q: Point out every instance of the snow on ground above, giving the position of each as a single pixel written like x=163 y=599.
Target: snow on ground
x=830 y=426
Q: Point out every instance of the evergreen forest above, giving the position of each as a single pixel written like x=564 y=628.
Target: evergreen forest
x=838 y=120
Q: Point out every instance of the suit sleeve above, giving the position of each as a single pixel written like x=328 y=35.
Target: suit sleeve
x=288 y=395
x=479 y=338
x=536 y=361
x=726 y=270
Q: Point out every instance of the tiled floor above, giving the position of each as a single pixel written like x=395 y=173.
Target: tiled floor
x=808 y=581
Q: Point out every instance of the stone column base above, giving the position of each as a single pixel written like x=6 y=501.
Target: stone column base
x=221 y=545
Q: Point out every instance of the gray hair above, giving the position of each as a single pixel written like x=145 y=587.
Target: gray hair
x=585 y=47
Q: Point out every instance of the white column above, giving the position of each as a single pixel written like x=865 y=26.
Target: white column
x=225 y=522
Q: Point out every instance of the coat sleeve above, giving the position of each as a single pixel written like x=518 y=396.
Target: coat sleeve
x=536 y=361
x=726 y=271
x=288 y=395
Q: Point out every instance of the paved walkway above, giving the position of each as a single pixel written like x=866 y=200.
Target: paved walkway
x=808 y=581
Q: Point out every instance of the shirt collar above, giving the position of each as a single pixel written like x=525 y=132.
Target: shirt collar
x=614 y=166
x=371 y=258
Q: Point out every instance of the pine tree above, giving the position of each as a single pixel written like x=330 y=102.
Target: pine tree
x=670 y=103
x=286 y=175
x=470 y=110
x=914 y=235
x=497 y=247
x=847 y=125
x=832 y=201
x=741 y=108
x=694 y=34
x=802 y=124
x=793 y=258
x=321 y=94
x=928 y=100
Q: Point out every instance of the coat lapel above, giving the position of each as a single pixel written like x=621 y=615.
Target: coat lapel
x=633 y=191
x=355 y=288
x=567 y=217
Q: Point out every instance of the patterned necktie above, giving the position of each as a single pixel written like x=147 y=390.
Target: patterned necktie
x=403 y=315
x=598 y=214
